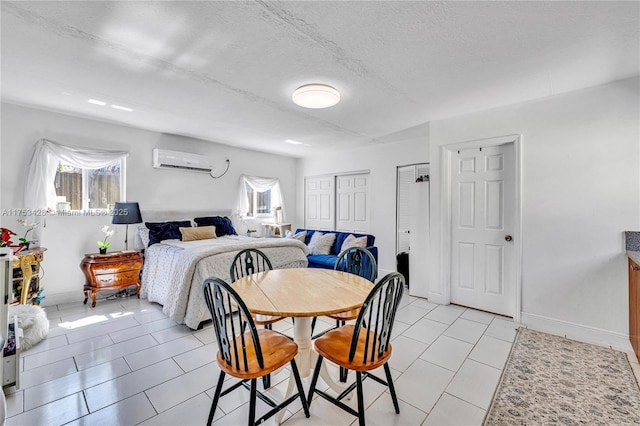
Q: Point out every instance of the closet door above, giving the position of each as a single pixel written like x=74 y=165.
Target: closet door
x=319 y=209
x=352 y=206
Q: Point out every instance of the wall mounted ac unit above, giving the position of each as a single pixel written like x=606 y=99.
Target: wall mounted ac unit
x=165 y=159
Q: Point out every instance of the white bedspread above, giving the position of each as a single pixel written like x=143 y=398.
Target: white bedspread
x=173 y=270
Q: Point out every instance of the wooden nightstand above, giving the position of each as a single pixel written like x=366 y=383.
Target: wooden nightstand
x=111 y=271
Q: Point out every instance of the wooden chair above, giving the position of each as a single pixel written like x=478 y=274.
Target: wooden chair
x=364 y=346
x=247 y=262
x=357 y=261
x=247 y=355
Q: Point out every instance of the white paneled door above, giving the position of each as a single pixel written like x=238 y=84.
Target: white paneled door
x=483 y=218
x=352 y=207
x=319 y=202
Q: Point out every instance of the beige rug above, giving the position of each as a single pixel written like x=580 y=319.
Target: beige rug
x=552 y=380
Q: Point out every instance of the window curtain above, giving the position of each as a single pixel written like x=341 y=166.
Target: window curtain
x=259 y=184
x=40 y=192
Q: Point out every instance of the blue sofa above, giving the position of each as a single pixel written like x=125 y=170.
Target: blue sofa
x=328 y=261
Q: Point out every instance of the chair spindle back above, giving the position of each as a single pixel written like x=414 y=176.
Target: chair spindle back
x=377 y=316
x=357 y=261
x=247 y=262
x=222 y=301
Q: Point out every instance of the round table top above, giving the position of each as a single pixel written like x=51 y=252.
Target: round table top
x=302 y=292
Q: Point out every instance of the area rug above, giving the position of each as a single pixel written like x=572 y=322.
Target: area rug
x=552 y=380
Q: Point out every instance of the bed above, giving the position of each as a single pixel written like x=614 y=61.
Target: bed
x=174 y=270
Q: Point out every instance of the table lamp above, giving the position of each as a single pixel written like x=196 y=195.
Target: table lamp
x=125 y=213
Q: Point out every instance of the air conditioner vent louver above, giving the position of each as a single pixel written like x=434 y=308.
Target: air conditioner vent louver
x=166 y=159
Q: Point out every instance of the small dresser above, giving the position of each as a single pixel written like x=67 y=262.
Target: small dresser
x=111 y=271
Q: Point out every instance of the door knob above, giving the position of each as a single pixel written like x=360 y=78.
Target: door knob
x=508 y=238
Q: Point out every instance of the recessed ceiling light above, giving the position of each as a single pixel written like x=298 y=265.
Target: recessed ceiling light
x=121 y=108
x=293 y=142
x=316 y=96
x=96 y=102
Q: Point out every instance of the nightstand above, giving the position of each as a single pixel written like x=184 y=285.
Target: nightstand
x=111 y=271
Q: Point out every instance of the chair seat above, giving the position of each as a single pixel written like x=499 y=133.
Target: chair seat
x=335 y=346
x=277 y=350
x=346 y=315
x=266 y=319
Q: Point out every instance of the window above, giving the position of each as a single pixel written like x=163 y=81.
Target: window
x=259 y=203
x=88 y=189
x=88 y=178
x=260 y=197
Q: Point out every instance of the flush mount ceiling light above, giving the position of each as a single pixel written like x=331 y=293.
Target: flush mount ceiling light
x=316 y=96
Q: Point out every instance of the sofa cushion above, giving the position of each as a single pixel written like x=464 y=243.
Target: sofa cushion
x=326 y=261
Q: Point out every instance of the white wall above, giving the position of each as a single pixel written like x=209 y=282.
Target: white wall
x=381 y=160
x=68 y=238
x=580 y=191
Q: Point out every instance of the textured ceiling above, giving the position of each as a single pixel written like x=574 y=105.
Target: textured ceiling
x=225 y=71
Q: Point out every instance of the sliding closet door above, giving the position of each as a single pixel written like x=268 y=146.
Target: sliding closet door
x=319 y=211
x=352 y=206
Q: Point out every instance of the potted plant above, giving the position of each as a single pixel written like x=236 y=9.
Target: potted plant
x=30 y=227
x=104 y=245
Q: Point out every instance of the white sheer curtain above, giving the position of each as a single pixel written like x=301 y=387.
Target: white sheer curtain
x=40 y=191
x=259 y=184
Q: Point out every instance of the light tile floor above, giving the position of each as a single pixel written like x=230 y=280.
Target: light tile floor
x=125 y=363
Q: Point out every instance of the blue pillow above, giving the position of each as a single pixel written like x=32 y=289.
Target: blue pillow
x=159 y=231
x=223 y=225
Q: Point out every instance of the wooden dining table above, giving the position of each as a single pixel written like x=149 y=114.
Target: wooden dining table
x=303 y=293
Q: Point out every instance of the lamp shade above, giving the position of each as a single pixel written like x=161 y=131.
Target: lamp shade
x=125 y=213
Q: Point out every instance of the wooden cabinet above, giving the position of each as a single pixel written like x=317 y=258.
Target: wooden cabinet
x=26 y=276
x=111 y=271
x=634 y=306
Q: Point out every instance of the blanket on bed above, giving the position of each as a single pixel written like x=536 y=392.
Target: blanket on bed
x=174 y=271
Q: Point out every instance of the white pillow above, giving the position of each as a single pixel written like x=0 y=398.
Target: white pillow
x=353 y=241
x=143 y=232
x=300 y=236
x=321 y=243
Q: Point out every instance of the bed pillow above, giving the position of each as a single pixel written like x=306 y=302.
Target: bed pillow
x=159 y=231
x=353 y=241
x=143 y=233
x=198 y=233
x=321 y=243
x=300 y=236
x=223 y=225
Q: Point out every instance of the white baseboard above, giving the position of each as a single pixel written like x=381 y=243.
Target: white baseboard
x=579 y=332
x=63 y=298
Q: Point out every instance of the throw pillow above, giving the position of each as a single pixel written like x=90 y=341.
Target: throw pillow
x=321 y=243
x=300 y=236
x=223 y=225
x=353 y=241
x=143 y=233
x=159 y=231
x=198 y=233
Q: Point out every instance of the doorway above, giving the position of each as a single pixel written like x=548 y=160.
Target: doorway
x=482 y=225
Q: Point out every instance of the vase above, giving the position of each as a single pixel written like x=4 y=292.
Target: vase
x=103 y=250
